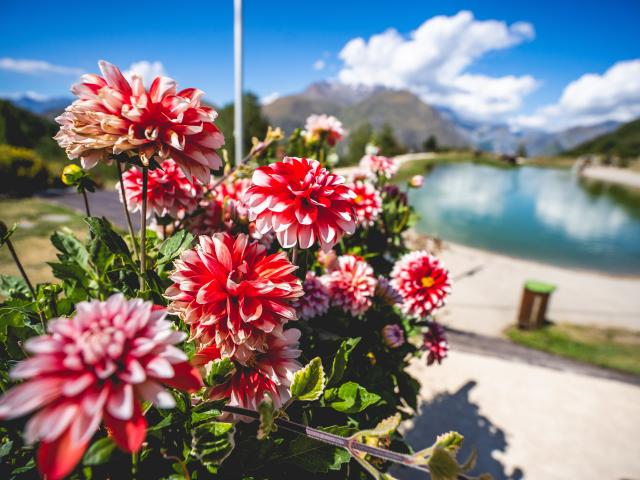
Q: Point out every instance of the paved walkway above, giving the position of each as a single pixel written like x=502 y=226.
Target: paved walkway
x=622 y=176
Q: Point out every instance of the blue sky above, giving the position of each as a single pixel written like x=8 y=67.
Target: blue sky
x=284 y=39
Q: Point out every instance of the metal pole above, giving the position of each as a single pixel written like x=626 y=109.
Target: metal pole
x=237 y=50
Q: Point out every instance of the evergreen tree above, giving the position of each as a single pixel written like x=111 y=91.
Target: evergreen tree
x=430 y=144
x=522 y=150
x=358 y=140
x=385 y=139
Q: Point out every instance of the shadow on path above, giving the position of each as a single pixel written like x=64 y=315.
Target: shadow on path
x=454 y=411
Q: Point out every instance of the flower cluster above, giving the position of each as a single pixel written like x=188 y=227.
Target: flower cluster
x=236 y=299
x=169 y=191
x=97 y=367
x=315 y=301
x=435 y=343
x=367 y=203
x=325 y=127
x=378 y=165
x=352 y=285
x=301 y=202
x=113 y=115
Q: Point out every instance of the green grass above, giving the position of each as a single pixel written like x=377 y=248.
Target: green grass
x=613 y=348
x=36 y=221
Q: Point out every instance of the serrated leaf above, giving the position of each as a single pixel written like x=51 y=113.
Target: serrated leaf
x=350 y=398
x=103 y=231
x=71 y=249
x=266 y=409
x=451 y=441
x=218 y=370
x=212 y=443
x=317 y=457
x=384 y=428
x=173 y=246
x=12 y=287
x=341 y=360
x=99 y=452
x=443 y=465
x=308 y=382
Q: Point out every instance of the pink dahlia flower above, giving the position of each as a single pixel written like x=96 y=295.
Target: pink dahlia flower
x=113 y=115
x=325 y=127
x=301 y=202
x=232 y=293
x=435 y=343
x=422 y=281
x=169 y=191
x=96 y=367
x=352 y=285
x=393 y=335
x=379 y=165
x=315 y=301
x=368 y=202
x=231 y=195
x=270 y=371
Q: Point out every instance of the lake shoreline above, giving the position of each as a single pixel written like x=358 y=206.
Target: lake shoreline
x=487 y=288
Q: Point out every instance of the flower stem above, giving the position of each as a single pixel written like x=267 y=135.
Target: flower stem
x=143 y=226
x=86 y=202
x=126 y=209
x=294 y=254
x=26 y=280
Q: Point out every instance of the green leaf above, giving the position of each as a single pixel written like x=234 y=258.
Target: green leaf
x=350 y=398
x=384 y=428
x=72 y=250
x=443 y=465
x=267 y=417
x=308 y=382
x=165 y=422
x=218 y=370
x=14 y=313
x=450 y=441
x=103 y=231
x=12 y=287
x=212 y=442
x=341 y=360
x=317 y=457
x=5 y=233
x=5 y=449
x=174 y=245
x=99 y=452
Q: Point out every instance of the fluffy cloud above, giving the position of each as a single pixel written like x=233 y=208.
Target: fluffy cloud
x=148 y=70
x=267 y=99
x=591 y=99
x=319 y=64
x=36 y=67
x=433 y=61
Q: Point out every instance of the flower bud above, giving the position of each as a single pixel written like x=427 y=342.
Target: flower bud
x=393 y=335
x=416 y=181
x=71 y=174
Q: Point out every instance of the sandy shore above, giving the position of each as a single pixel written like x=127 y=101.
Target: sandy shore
x=487 y=301
x=622 y=176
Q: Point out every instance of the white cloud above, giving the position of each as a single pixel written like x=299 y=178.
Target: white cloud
x=319 y=64
x=591 y=99
x=433 y=61
x=30 y=94
x=267 y=99
x=148 y=70
x=36 y=67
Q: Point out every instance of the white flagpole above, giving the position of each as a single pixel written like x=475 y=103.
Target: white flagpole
x=237 y=50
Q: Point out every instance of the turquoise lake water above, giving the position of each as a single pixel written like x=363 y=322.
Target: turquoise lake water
x=542 y=214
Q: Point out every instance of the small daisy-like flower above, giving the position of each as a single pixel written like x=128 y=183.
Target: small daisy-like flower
x=422 y=281
x=169 y=191
x=269 y=371
x=368 y=203
x=232 y=293
x=94 y=368
x=393 y=335
x=435 y=343
x=351 y=285
x=325 y=127
x=315 y=301
x=379 y=165
x=301 y=202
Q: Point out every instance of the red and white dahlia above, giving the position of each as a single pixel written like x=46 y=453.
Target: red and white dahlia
x=325 y=127
x=169 y=191
x=231 y=196
x=315 y=301
x=379 y=165
x=270 y=371
x=232 y=293
x=352 y=285
x=301 y=202
x=422 y=281
x=96 y=367
x=208 y=220
x=368 y=202
x=113 y=115
x=435 y=343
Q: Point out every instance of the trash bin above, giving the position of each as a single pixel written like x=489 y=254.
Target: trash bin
x=533 y=307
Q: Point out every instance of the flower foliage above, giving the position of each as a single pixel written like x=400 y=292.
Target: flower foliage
x=279 y=263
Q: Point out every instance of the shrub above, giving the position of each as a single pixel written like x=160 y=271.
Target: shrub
x=21 y=171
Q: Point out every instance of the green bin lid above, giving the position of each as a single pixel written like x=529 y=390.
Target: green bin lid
x=537 y=286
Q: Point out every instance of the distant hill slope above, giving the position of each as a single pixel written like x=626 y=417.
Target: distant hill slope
x=22 y=128
x=623 y=142
x=412 y=120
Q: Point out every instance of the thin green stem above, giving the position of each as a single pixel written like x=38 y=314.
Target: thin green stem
x=86 y=202
x=143 y=226
x=26 y=280
x=126 y=209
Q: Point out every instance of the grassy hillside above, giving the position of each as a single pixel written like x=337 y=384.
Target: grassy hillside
x=623 y=142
